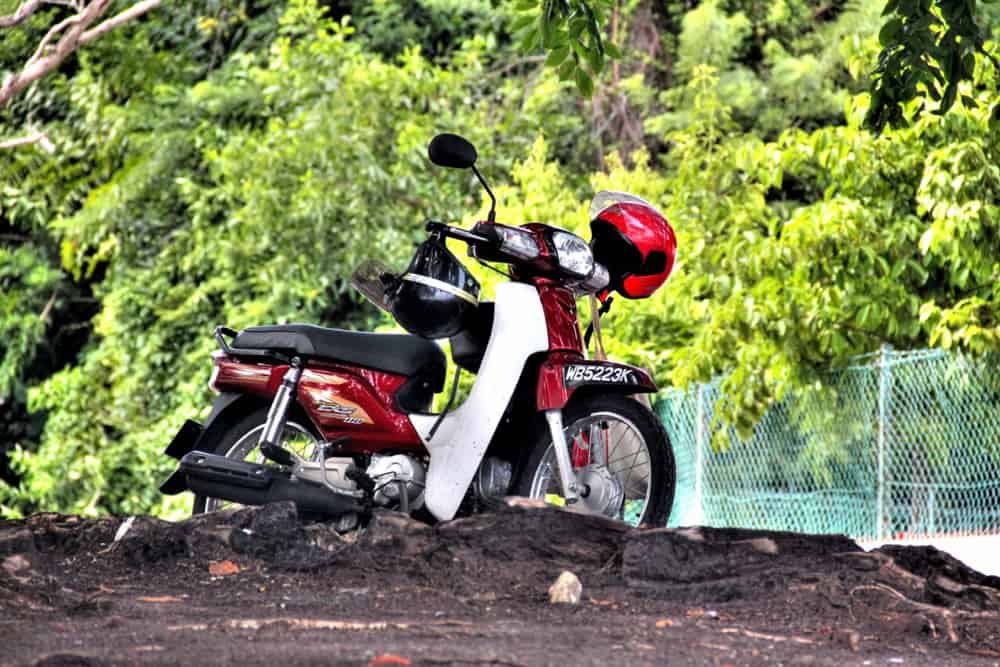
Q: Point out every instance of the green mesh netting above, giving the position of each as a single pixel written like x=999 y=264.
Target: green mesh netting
x=898 y=444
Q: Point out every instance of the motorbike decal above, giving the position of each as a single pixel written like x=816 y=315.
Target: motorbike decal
x=349 y=413
x=577 y=374
x=329 y=390
x=339 y=410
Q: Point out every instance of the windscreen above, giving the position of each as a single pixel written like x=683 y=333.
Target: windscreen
x=372 y=278
x=606 y=198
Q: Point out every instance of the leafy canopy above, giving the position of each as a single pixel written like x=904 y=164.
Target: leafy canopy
x=929 y=47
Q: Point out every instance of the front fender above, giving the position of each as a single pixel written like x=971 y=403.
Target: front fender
x=561 y=374
x=459 y=445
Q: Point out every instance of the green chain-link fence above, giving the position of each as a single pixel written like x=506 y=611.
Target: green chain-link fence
x=899 y=444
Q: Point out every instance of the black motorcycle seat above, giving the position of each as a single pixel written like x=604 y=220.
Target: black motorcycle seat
x=400 y=354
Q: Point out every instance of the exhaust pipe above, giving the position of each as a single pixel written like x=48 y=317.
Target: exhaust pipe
x=254 y=484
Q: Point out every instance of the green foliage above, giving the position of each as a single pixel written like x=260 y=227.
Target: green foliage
x=436 y=27
x=786 y=287
x=249 y=196
x=570 y=32
x=26 y=282
x=222 y=165
x=710 y=36
x=928 y=50
x=929 y=47
x=798 y=254
x=770 y=76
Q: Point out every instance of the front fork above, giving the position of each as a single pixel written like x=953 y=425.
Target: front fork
x=570 y=489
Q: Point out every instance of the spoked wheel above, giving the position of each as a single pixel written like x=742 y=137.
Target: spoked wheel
x=621 y=456
x=240 y=442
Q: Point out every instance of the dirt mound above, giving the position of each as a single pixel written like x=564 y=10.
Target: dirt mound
x=141 y=590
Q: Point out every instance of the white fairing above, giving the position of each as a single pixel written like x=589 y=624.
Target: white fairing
x=460 y=442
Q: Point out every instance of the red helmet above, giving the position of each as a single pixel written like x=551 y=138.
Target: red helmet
x=634 y=241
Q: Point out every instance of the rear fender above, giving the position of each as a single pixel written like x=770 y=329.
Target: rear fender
x=562 y=374
x=226 y=408
x=190 y=435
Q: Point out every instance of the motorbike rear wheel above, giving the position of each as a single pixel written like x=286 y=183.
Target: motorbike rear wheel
x=621 y=456
x=239 y=441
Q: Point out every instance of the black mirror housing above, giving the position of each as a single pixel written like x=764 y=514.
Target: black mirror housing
x=451 y=150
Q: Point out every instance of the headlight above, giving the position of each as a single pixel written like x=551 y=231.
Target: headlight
x=573 y=254
x=518 y=243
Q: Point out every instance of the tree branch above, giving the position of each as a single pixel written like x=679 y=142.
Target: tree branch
x=520 y=62
x=44 y=317
x=133 y=12
x=53 y=31
x=42 y=63
x=72 y=33
x=21 y=15
x=39 y=138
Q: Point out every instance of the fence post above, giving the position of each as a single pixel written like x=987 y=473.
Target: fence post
x=698 y=515
x=884 y=387
x=932 y=520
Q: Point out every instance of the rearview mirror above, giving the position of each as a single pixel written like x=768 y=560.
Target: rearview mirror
x=451 y=150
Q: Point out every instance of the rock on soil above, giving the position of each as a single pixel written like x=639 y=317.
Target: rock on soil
x=261 y=586
x=567 y=589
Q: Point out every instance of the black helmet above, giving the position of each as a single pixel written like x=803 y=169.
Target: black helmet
x=435 y=294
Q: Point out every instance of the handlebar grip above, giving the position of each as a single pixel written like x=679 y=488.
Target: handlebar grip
x=434 y=226
x=489 y=234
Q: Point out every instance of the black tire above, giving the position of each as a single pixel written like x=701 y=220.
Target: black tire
x=223 y=439
x=661 y=467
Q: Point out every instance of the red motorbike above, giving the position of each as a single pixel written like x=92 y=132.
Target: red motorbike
x=340 y=421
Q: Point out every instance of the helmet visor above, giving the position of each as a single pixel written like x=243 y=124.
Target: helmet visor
x=607 y=198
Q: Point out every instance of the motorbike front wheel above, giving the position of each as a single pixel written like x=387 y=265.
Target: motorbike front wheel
x=239 y=441
x=622 y=461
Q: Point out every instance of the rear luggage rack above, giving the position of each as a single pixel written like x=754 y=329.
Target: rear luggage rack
x=246 y=353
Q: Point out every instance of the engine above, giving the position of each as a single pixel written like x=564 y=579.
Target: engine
x=396 y=475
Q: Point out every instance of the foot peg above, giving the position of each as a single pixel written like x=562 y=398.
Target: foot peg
x=277 y=454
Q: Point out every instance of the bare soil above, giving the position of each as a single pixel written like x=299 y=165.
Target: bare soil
x=259 y=586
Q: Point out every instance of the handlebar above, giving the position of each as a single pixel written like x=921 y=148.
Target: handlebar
x=490 y=244
x=457 y=233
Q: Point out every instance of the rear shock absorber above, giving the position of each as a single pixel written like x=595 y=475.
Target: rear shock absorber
x=277 y=415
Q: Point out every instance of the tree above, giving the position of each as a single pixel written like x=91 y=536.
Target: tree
x=929 y=47
x=83 y=25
